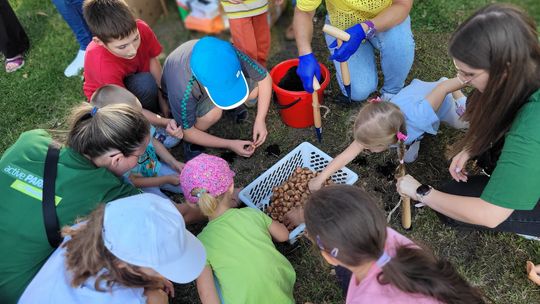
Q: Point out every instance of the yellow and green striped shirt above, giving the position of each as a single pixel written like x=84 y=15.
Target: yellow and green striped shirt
x=248 y=8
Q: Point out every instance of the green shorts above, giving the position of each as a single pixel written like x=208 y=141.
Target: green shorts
x=207 y=105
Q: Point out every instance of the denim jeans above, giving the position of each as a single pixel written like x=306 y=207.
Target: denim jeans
x=71 y=11
x=520 y=221
x=144 y=86
x=396 y=47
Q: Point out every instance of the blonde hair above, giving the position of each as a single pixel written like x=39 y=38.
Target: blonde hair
x=208 y=203
x=377 y=125
x=86 y=256
x=110 y=94
x=95 y=131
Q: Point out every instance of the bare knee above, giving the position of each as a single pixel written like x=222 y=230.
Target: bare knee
x=209 y=119
x=254 y=94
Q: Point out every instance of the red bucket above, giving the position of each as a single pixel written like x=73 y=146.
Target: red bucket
x=295 y=107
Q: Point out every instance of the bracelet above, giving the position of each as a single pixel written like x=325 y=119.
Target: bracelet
x=371 y=29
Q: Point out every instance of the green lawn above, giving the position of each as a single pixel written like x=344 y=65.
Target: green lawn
x=39 y=96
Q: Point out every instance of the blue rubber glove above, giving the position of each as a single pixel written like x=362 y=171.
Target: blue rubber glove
x=307 y=68
x=345 y=51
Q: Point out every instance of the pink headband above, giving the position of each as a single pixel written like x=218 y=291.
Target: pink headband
x=400 y=136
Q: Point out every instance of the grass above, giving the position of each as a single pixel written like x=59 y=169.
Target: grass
x=39 y=96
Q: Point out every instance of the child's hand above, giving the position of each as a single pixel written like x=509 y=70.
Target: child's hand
x=315 y=183
x=168 y=288
x=174 y=130
x=259 y=132
x=173 y=179
x=178 y=166
x=134 y=176
x=242 y=147
x=155 y=296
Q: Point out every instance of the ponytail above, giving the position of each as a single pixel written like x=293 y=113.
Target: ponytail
x=95 y=131
x=416 y=270
x=206 y=202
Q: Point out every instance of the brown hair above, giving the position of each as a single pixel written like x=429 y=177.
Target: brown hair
x=502 y=40
x=117 y=126
x=86 y=256
x=347 y=218
x=113 y=94
x=109 y=19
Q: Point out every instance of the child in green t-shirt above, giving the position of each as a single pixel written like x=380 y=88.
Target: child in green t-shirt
x=238 y=242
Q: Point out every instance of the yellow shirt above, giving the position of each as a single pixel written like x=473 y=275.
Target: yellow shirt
x=346 y=13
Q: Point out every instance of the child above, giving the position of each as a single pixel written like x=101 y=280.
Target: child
x=250 y=31
x=13 y=39
x=238 y=242
x=125 y=252
x=386 y=267
x=417 y=109
x=202 y=78
x=150 y=174
x=124 y=51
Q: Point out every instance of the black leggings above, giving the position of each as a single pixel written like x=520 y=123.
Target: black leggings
x=13 y=39
x=520 y=221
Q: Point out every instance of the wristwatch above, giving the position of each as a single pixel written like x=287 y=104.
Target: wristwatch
x=371 y=29
x=422 y=191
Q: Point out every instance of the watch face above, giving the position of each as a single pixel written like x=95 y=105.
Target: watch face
x=423 y=190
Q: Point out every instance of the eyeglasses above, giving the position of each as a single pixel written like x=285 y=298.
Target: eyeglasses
x=143 y=158
x=466 y=78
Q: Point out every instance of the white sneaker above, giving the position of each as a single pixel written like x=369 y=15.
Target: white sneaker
x=76 y=65
x=529 y=237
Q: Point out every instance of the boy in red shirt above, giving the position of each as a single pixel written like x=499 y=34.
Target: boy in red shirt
x=124 y=52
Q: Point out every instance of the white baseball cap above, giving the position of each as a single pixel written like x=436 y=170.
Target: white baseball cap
x=148 y=231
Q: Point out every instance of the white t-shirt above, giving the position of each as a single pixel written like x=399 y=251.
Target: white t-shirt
x=52 y=284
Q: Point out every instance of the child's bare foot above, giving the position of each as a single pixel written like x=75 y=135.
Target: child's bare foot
x=294 y=218
x=532 y=271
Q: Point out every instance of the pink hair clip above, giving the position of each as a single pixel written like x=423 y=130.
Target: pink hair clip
x=375 y=100
x=401 y=136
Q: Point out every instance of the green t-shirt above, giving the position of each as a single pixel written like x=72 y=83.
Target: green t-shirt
x=246 y=263
x=515 y=182
x=80 y=187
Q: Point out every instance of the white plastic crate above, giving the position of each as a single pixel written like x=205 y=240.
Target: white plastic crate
x=258 y=193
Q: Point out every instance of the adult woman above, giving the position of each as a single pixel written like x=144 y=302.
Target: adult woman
x=497 y=52
x=383 y=25
x=102 y=144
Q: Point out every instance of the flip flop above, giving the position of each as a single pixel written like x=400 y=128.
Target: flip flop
x=16 y=62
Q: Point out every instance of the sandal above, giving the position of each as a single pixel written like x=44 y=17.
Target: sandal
x=15 y=63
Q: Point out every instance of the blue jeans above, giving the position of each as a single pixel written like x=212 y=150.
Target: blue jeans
x=396 y=47
x=71 y=11
x=144 y=86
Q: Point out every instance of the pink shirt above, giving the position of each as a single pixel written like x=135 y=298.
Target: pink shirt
x=369 y=291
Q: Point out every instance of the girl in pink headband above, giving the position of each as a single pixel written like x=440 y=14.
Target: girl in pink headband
x=238 y=241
